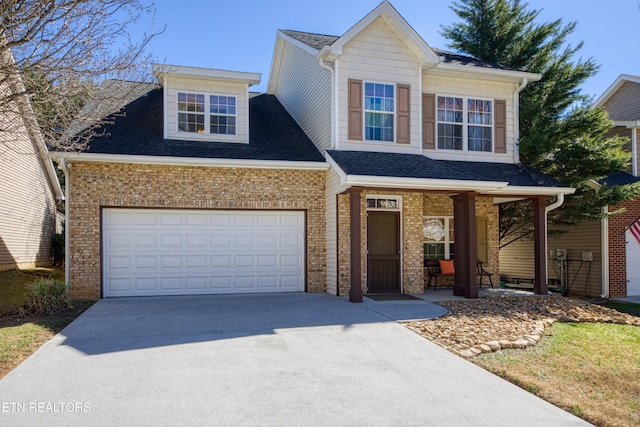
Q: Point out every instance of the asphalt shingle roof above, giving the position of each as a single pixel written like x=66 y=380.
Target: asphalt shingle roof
x=619 y=178
x=318 y=41
x=419 y=166
x=138 y=130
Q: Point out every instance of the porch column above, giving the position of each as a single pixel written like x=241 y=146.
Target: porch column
x=466 y=259
x=540 y=245
x=355 y=291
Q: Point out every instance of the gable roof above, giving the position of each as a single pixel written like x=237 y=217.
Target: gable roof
x=611 y=90
x=137 y=130
x=319 y=41
x=418 y=171
x=391 y=16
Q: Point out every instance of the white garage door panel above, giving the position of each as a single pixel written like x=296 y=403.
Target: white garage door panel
x=175 y=252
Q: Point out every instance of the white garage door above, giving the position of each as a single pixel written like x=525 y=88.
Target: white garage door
x=633 y=259
x=186 y=252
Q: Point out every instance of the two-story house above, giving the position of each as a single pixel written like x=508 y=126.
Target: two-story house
x=370 y=153
x=599 y=258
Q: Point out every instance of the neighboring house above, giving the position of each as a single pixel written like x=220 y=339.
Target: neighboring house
x=28 y=184
x=603 y=257
x=369 y=153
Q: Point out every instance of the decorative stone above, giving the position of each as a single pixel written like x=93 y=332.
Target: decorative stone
x=505 y=344
x=493 y=345
x=484 y=348
x=475 y=351
x=466 y=353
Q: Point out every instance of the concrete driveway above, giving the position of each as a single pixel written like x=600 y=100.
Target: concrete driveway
x=259 y=360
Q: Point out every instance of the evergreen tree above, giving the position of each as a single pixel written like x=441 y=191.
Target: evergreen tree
x=560 y=133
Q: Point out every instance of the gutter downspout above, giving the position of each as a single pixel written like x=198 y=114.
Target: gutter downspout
x=555 y=205
x=65 y=168
x=604 y=233
x=634 y=151
x=516 y=121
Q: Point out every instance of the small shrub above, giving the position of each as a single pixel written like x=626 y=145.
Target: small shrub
x=47 y=296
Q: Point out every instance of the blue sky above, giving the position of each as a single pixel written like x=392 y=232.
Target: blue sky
x=239 y=35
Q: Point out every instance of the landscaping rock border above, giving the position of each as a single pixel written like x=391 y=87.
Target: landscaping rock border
x=484 y=325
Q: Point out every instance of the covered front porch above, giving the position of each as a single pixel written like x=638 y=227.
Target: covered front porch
x=382 y=243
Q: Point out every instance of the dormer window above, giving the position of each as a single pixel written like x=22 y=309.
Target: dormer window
x=194 y=107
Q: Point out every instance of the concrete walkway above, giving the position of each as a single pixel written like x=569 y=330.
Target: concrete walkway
x=259 y=360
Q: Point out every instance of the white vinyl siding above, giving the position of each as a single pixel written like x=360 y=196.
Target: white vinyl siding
x=376 y=54
x=185 y=252
x=470 y=88
x=28 y=209
x=304 y=89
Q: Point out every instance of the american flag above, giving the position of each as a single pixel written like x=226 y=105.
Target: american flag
x=635 y=230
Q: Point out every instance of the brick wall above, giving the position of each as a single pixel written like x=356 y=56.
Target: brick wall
x=617 y=246
x=96 y=185
x=414 y=207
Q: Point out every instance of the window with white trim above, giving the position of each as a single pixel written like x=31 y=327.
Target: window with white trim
x=437 y=233
x=379 y=107
x=464 y=124
x=196 y=110
x=383 y=202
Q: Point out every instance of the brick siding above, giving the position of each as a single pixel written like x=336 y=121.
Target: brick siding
x=617 y=246
x=415 y=205
x=97 y=185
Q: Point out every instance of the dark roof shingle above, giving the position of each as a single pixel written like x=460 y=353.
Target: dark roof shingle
x=619 y=178
x=138 y=130
x=418 y=166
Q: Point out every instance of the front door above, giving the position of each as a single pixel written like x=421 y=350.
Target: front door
x=383 y=252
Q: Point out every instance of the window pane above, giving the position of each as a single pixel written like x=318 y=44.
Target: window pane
x=379 y=126
x=450 y=137
x=224 y=125
x=188 y=122
x=479 y=138
x=368 y=90
x=434 y=251
x=190 y=102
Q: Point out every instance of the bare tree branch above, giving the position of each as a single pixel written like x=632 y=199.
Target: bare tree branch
x=62 y=51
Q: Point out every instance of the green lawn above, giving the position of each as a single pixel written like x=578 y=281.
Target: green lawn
x=590 y=369
x=624 y=307
x=21 y=335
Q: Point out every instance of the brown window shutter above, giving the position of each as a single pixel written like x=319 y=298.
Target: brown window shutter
x=429 y=121
x=355 y=110
x=500 y=127
x=404 y=108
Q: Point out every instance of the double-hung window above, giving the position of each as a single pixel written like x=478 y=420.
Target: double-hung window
x=438 y=237
x=464 y=124
x=191 y=112
x=379 y=107
x=200 y=113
